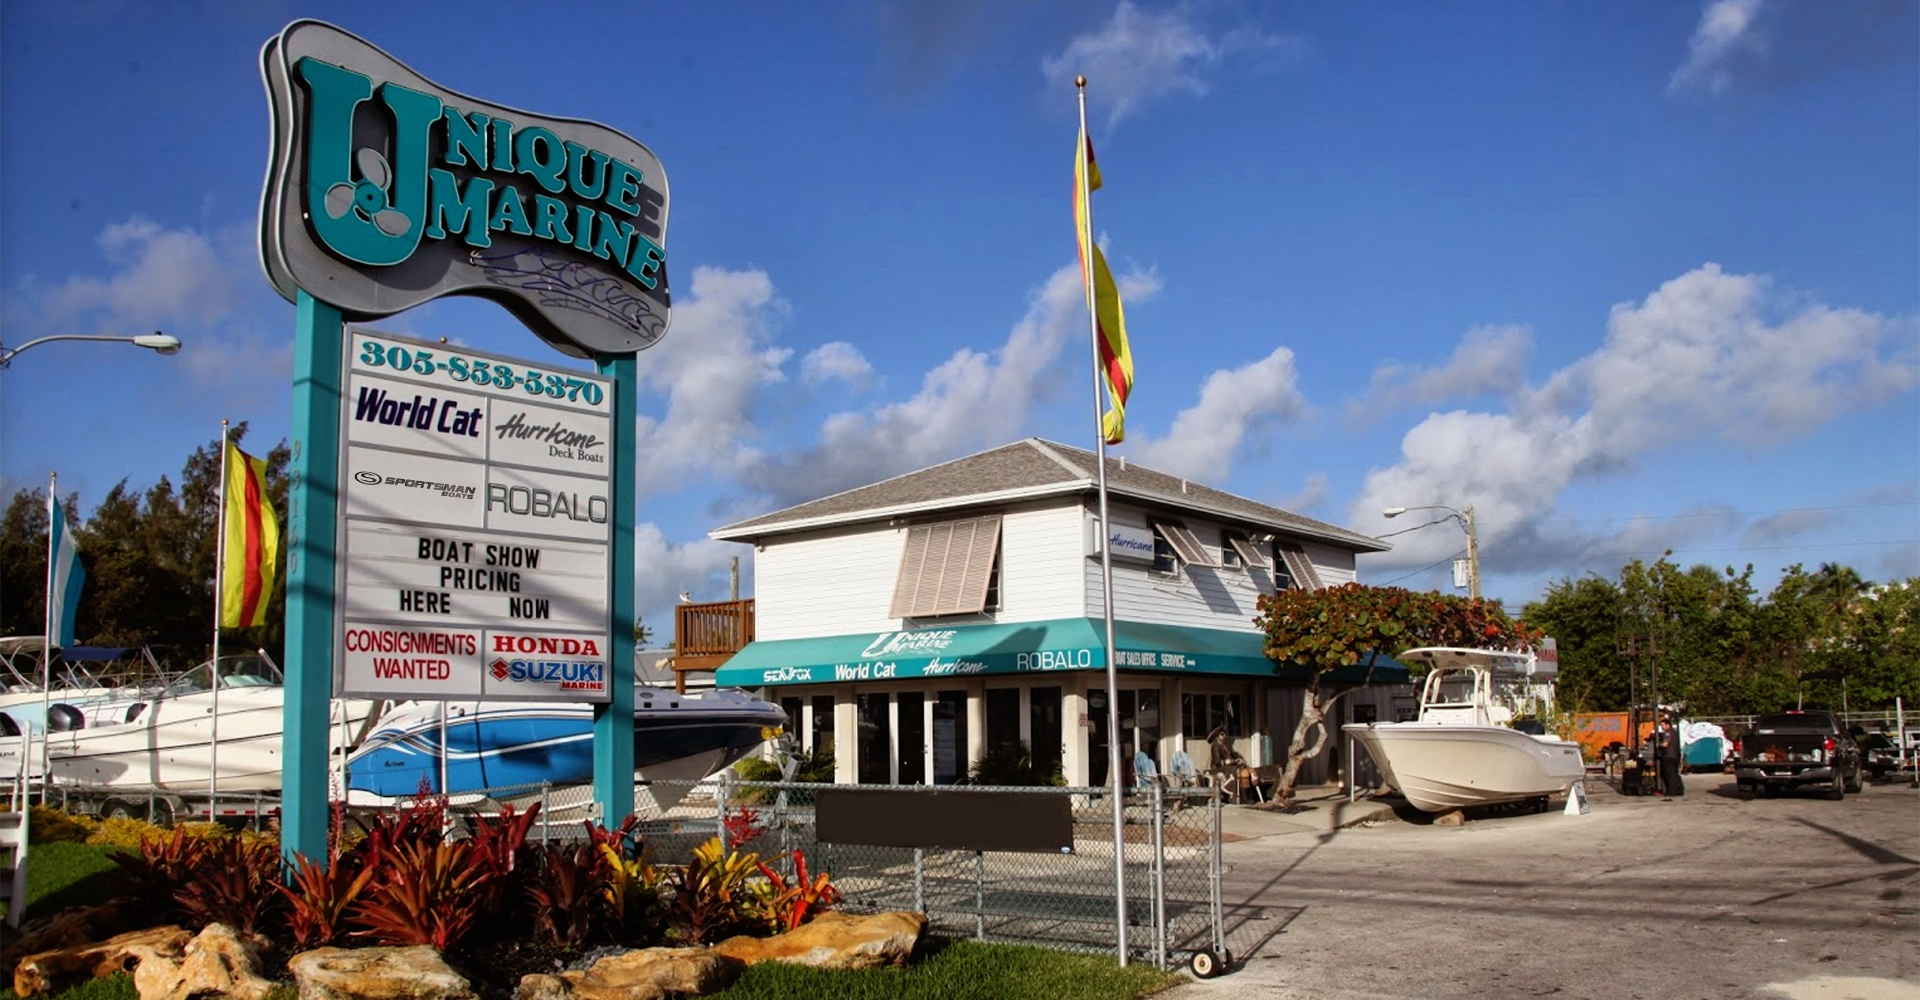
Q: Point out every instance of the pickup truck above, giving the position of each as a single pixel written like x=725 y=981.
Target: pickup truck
x=1789 y=750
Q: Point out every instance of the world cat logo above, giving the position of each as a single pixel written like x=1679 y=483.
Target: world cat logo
x=375 y=167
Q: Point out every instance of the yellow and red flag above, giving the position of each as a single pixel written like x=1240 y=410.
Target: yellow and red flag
x=252 y=542
x=1103 y=298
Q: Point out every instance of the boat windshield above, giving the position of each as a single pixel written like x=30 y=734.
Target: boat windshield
x=241 y=670
x=1450 y=687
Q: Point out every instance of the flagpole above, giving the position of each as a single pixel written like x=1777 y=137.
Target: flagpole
x=219 y=598
x=1106 y=550
x=46 y=643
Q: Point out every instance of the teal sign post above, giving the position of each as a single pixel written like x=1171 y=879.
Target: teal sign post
x=383 y=192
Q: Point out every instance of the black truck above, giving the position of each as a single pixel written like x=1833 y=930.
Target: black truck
x=1800 y=749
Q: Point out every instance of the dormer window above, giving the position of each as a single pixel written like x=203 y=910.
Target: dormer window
x=949 y=568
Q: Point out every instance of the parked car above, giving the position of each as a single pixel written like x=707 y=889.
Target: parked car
x=1882 y=754
x=1800 y=749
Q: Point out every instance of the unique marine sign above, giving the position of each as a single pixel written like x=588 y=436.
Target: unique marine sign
x=385 y=191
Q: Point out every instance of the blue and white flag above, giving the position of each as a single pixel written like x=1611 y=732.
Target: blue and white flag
x=65 y=577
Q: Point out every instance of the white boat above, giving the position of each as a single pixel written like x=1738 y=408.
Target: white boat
x=166 y=741
x=1462 y=750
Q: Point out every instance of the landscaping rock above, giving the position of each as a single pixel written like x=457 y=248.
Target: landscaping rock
x=54 y=971
x=645 y=974
x=1451 y=818
x=415 y=973
x=835 y=941
x=217 y=960
x=71 y=928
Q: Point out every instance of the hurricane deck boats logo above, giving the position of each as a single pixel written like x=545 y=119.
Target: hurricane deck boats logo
x=377 y=168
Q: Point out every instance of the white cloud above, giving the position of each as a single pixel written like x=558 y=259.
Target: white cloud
x=159 y=278
x=699 y=566
x=1489 y=359
x=1698 y=361
x=1728 y=31
x=836 y=361
x=1139 y=56
x=1234 y=403
x=711 y=368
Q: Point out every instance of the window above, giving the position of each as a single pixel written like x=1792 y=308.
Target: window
x=1201 y=714
x=1185 y=544
x=1236 y=551
x=1163 y=558
x=1299 y=569
x=949 y=568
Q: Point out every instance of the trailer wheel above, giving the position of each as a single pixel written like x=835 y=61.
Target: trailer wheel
x=121 y=809
x=1204 y=965
x=162 y=813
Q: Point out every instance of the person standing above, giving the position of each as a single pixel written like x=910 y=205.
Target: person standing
x=1667 y=753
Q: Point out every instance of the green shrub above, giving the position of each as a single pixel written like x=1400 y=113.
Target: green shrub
x=47 y=825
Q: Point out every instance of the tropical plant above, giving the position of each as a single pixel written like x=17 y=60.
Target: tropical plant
x=709 y=896
x=319 y=897
x=568 y=895
x=1010 y=765
x=233 y=882
x=786 y=905
x=424 y=892
x=162 y=866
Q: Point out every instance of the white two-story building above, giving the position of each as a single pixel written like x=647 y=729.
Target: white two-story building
x=914 y=623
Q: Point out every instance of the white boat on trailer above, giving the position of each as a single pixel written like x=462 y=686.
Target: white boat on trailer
x=1462 y=750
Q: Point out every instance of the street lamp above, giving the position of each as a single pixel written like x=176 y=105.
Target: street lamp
x=163 y=343
x=1465 y=517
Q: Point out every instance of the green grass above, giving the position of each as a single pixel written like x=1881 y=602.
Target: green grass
x=65 y=874
x=961 y=970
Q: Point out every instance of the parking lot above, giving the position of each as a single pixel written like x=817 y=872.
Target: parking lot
x=1710 y=896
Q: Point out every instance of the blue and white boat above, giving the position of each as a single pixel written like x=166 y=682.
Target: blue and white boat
x=502 y=749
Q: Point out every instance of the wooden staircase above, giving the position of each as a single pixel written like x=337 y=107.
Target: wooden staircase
x=13 y=865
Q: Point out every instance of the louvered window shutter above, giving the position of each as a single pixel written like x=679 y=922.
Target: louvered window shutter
x=946 y=567
x=1304 y=575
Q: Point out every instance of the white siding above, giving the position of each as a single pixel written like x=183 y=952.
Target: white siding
x=1041 y=553
x=830 y=583
x=837 y=582
x=1202 y=596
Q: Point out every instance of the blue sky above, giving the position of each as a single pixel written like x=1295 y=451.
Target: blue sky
x=1626 y=277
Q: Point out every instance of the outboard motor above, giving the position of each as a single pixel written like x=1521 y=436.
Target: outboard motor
x=64 y=718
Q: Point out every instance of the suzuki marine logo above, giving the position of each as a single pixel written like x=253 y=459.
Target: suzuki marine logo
x=569 y=675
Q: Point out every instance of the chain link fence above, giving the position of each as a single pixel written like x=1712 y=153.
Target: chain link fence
x=1065 y=899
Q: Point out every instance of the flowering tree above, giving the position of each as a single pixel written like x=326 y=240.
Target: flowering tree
x=1323 y=630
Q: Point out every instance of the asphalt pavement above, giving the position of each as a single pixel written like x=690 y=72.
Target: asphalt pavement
x=1710 y=896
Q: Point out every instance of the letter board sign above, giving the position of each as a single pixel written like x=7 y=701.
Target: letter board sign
x=476 y=526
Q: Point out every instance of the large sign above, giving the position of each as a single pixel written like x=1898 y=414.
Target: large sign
x=475 y=522
x=385 y=191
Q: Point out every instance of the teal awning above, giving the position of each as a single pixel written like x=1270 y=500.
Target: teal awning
x=1018 y=648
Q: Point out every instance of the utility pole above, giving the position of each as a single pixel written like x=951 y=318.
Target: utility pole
x=1473 y=556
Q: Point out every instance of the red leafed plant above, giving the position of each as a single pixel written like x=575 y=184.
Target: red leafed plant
x=424 y=893
x=163 y=865
x=742 y=827
x=787 y=905
x=320 y=897
x=237 y=884
x=569 y=901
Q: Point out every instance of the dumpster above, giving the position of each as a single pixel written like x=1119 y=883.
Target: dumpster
x=1708 y=753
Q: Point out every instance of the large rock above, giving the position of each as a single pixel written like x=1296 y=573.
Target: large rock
x=71 y=928
x=414 y=973
x=646 y=974
x=54 y=971
x=835 y=941
x=217 y=960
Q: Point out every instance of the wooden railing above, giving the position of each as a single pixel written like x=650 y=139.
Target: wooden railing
x=707 y=635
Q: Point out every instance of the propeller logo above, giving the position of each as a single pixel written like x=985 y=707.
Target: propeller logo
x=369 y=198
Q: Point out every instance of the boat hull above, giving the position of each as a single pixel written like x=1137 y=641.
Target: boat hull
x=504 y=746
x=1442 y=766
x=170 y=744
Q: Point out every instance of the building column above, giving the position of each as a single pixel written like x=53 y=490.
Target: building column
x=1073 y=709
x=846 y=738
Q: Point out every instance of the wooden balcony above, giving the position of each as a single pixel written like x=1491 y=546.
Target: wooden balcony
x=707 y=635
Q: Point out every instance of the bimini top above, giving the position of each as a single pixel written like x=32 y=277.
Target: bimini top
x=1500 y=661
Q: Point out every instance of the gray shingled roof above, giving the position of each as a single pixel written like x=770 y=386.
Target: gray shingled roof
x=1027 y=469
